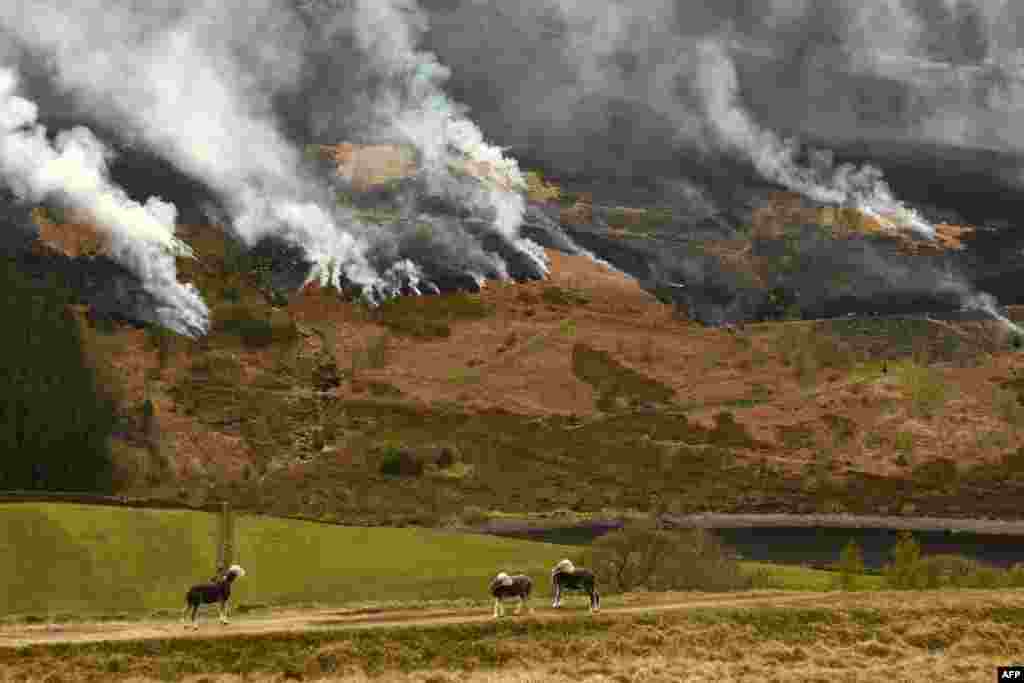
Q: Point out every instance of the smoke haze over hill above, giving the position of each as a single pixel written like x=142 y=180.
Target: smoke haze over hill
x=710 y=105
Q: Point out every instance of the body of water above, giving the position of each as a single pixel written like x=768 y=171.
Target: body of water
x=820 y=545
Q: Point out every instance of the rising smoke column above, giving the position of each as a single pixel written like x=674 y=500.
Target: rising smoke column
x=776 y=158
x=193 y=83
x=73 y=171
x=196 y=82
x=458 y=163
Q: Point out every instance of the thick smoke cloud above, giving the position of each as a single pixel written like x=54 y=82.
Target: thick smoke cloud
x=197 y=83
x=681 y=93
x=72 y=171
x=837 y=69
x=670 y=89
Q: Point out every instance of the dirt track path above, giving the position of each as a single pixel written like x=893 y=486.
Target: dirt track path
x=335 y=619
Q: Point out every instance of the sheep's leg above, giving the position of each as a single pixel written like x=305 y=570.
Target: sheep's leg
x=497 y=607
x=519 y=605
x=227 y=609
x=184 y=616
x=558 y=596
x=220 y=613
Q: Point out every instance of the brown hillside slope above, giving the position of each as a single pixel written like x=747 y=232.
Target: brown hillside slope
x=582 y=392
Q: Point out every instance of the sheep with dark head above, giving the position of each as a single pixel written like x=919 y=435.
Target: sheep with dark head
x=217 y=590
x=567 y=577
x=504 y=586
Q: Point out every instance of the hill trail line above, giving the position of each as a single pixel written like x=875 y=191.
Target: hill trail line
x=338 y=619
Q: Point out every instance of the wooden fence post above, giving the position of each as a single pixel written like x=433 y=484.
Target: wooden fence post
x=225 y=537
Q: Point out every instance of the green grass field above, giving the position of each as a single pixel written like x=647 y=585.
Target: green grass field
x=63 y=558
x=66 y=560
x=791 y=577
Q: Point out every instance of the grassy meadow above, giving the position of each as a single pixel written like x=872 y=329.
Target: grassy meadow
x=62 y=558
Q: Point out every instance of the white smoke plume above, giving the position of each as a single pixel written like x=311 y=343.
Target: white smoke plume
x=622 y=87
x=172 y=79
x=454 y=153
x=776 y=158
x=196 y=82
x=72 y=171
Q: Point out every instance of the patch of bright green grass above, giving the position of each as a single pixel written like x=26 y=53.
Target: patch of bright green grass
x=71 y=558
x=792 y=577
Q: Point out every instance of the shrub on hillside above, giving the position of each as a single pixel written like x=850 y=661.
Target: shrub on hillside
x=851 y=565
x=400 y=462
x=430 y=317
x=255 y=329
x=643 y=556
x=928 y=389
x=447 y=456
x=909 y=570
x=559 y=296
x=905 y=569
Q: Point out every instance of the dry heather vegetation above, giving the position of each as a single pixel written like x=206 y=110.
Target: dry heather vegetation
x=582 y=393
x=852 y=637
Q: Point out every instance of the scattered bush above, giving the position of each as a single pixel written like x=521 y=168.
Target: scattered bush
x=474 y=515
x=903 y=571
x=939 y=474
x=729 y=432
x=400 y=462
x=851 y=565
x=430 y=316
x=807 y=350
x=640 y=555
x=254 y=329
x=927 y=387
x=1008 y=407
x=447 y=456
x=613 y=381
x=911 y=571
x=843 y=428
x=162 y=341
x=326 y=375
x=904 y=444
x=559 y=296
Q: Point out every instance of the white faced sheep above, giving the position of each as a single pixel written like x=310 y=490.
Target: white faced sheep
x=567 y=577
x=504 y=586
x=218 y=590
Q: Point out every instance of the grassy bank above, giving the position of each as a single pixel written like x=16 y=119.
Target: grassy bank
x=57 y=558
x=69 y=561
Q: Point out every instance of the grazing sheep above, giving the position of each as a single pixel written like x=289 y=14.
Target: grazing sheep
x=504 y=586
x=567 y=577
x=218 y=590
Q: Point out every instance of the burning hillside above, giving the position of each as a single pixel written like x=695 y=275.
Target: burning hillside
x=372 y=167
x=784 y=210
x=674 y=163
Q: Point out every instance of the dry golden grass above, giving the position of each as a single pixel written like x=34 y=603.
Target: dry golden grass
x=863 y=637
